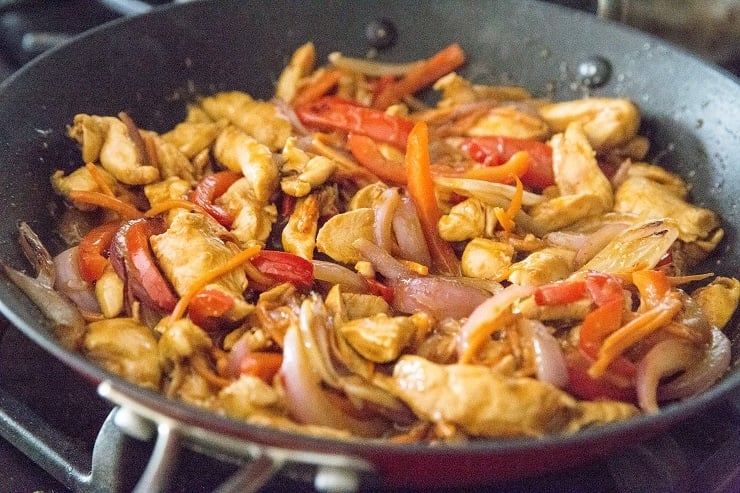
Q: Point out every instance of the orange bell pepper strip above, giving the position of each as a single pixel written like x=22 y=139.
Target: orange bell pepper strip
x=319 y=87
x=366 y=151
x=421 y=189
x=422 y=75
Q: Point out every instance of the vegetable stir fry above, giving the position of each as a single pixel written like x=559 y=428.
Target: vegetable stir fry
x=346 y=260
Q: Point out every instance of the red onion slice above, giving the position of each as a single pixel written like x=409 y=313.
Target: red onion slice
x=69 y=281
x=703 y=374
x=409 y=235
x=306 y=401
x=338 y=274
x=664 y=359
x=383 y=224
x=548 y=355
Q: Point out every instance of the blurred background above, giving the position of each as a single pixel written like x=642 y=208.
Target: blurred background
x=708 y=28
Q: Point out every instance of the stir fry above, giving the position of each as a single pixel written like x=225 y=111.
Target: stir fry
x=347 y=260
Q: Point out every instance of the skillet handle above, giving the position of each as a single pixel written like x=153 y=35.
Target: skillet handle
x=105 y=472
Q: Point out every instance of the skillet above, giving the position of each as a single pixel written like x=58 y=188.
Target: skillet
x=148 y=66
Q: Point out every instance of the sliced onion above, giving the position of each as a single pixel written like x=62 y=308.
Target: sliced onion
x=440 y=297
x=566 y=239
x=69 y=281
x=369 y=67
x=408 y=233
x=486 y=191
x=338 y=274
x=383 y=224
x=306 y=401
x=704 y=373
x=68 y=322
x=666 y=358
x=383 y=261
x=595 y=242
x=37 y=254
x=548 y=355
x=483 y=320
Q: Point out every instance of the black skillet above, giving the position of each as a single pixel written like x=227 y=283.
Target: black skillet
x=150 y=65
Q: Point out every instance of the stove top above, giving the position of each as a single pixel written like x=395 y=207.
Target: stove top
x=699 y=455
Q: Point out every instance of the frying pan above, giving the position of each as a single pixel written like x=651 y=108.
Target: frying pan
x=150 y=65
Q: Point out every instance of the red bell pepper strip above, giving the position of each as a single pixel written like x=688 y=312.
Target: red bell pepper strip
x=583 y=386
x=93 y=251
x=422 y=75
x=207 y=308
x=209 y=189
x=379 y=289
x=560 y=293
x=603 y=287
x=334 y=113
x=317 y=88
x=421 y=189
x=653 y=285
x=261 y=364
x=133 y=261
x=284 y=267
x=366 y=151
x=496 y=150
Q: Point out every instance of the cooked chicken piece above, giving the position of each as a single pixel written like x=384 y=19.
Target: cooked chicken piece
x=480 y=401
x=180 y=340
x=303 y=172
x=241 y=153
x=172 y=188
x=82 y=180
x=191 y=138
x=379 y=338
x=543 y=266
x=336 y=236
x=607 y=122
x=109 y=293
x=576 y=310
x=259 y=119
x=253 y=217
x=510 y=121
x=367 y=196
x=471 y=218
x=301 y=65
x=638 y=247
x=126 y=348
x=170 y=161
x=188 y=249
x=670 y=181
x=584 y=190
x=249 y=395
x=457 y=90
x=601 y=412
x=718 y=300
x=650 y=199
x=106 y=139
x=487 y=259
x=344 y=307
x=299 y=235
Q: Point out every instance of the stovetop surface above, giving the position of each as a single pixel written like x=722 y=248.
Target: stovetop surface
x=699 y=455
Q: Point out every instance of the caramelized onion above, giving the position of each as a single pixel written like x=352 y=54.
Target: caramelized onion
x=409 y=235
x=338 y=274
x=666 y=358
x=307 y=401
x=703 y=374
x=69 y=281
x=548 y=356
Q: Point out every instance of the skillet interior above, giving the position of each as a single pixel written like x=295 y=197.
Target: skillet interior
x=148 y=66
